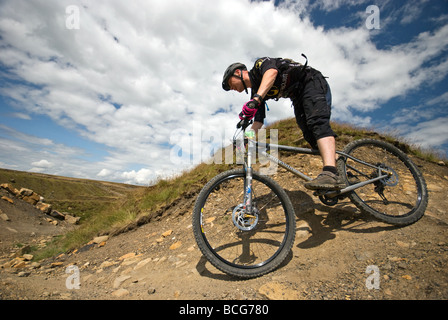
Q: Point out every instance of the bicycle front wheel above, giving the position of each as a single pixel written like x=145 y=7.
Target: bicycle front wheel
x=400 y=198
x=240 y=243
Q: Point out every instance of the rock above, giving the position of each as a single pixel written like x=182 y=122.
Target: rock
x=395 y=259
x=56 y=264
x=44 y=207
x=100 y=239
x=432 y=187
x=102 y=244
x=151 y=290
x=403 y=244
x=8 y=264
x=20 y=264
x=8 y=199
x=33 y=199
x=26 y=192
x=118 y=281
x=106 y=264
x=303 y=230
x=167 y=233
x=28 y=257
x=142 y=263
x=71 y=219
x=127 y=256
x=9 y=188
x=175 y=245
x=53 y=222
x=120 y=293
x=4 y=216
x=277 y=291
x=12 y=229
x=131 y=260
x=56 y=214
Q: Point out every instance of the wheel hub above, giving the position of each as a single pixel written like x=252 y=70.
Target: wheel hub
x=392 y=179
x=242 y=220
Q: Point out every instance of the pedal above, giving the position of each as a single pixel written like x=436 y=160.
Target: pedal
x=319 y=193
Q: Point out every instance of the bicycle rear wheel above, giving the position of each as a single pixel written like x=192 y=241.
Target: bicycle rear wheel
x=236 y=243
x=399 y=199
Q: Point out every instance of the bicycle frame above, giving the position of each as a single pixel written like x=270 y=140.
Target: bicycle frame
x=264 y=147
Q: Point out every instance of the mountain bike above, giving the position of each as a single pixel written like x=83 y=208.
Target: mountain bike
x=244 y=222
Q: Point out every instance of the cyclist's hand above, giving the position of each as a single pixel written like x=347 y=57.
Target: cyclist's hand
x=250 y=108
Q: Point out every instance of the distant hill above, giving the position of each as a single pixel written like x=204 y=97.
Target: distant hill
x=73 y=195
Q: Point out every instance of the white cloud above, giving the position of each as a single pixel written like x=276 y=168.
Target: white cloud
x=331 y=5
x=20 y=136
x=135 y=72
x=104 y=173
x=142 y=176
x=42 y=164
x=20 y=115
x=431 y=133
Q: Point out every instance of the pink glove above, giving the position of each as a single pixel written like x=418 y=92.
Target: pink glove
x=250 y=108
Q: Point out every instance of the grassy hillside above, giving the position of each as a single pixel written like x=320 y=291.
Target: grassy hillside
x=78 y=196
x=290 y=134
x=106 y=207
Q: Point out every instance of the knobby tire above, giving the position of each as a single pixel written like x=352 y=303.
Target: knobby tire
x=243 y=253
x=400 y=199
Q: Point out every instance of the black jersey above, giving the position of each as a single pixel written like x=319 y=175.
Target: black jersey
x=289 y=73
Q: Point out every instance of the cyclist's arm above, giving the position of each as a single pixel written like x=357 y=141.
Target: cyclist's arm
x=267 y=82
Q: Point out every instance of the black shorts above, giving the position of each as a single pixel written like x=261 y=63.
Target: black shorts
x=312 y=108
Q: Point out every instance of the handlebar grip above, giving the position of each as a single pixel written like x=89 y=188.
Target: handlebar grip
x=244 y=123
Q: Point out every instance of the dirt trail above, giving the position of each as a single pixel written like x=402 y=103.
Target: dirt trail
x=160 y=261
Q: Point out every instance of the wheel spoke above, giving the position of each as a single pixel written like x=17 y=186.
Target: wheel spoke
x=398 y=197
x=237 y=239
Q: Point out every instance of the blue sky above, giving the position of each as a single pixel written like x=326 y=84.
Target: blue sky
x=112 y=90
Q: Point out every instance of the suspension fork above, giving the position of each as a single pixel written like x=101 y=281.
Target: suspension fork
x=248 y=192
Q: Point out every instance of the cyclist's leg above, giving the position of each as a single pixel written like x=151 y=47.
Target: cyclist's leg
x=327 y=148
x=301 y=122
x=314 y=119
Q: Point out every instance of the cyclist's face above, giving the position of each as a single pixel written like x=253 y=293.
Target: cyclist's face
x=235 y=82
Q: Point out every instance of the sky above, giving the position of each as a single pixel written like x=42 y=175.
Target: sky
x=130 y=91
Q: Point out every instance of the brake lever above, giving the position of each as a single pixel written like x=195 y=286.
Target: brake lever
x=244 y=123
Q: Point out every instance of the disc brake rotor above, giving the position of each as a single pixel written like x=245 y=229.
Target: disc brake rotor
x=243 y=220
x=392 y=179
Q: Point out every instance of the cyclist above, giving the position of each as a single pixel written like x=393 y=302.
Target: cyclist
x=275 y=78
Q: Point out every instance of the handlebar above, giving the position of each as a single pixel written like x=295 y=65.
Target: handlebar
x=244 y=123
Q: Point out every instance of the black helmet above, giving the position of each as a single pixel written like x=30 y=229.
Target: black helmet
x=229 y=72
